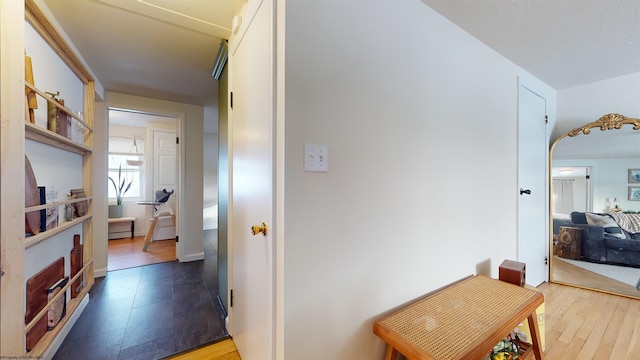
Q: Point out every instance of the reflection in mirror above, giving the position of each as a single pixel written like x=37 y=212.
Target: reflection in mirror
x=595 y=206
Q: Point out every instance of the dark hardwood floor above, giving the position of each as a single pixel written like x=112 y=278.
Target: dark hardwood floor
x=150 y=312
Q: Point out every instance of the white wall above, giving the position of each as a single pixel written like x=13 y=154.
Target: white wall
x=421 y=127
x=586 y=103
x=609 y=179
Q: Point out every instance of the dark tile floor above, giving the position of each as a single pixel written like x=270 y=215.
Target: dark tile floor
x=148 y=312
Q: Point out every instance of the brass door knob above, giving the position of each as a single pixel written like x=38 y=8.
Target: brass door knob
x=257 y=229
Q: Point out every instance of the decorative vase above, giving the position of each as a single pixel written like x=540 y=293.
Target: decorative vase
x=115 y=211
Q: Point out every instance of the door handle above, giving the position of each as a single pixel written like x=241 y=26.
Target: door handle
x=257 y=229
x=527 y=191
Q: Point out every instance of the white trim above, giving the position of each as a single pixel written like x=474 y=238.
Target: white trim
x=99 y=272
x=192 y=257
x=278 y=178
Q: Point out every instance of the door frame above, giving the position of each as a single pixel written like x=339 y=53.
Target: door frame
x=179 y=116
x=149 y=183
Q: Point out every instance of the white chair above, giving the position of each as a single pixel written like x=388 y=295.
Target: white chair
x=162 y=210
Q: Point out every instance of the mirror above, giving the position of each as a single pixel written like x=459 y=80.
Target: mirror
x=595 y=206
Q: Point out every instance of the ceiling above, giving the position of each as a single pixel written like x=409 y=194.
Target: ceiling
x=165 y=49
x=564 y=43
x=162 y=49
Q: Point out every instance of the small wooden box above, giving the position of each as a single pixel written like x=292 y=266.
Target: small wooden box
x=512 y=272
x=568 y=244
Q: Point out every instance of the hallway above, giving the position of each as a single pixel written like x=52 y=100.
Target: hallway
x=149 y=312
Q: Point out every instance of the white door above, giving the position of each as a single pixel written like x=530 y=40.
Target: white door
x=165 y=177
x=252 y=268
x=533 y=235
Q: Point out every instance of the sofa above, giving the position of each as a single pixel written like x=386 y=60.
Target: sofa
x=603 y=239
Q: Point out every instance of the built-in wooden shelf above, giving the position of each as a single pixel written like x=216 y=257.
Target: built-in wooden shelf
x=72 y=305
x=42 y=135
x=38 y=238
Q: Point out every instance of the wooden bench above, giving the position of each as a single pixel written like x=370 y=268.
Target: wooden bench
x=464 y=320
x=124 y=219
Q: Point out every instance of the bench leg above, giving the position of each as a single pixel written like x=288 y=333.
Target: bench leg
x=391 y=354
x=132 y=225
x=535 y=336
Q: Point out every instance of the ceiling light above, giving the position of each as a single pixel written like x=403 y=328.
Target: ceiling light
x=565 y=171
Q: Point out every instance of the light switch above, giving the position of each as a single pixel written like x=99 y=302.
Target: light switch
x=316 y=158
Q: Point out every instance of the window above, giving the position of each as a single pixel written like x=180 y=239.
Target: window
x=118 y=155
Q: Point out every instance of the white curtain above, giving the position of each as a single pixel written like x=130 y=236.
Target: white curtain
x=562 y=196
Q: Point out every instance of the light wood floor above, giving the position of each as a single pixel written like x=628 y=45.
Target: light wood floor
x=564 y=272
x=127 y=253
x=223 y=350
x=579 y=324
x=584 y=324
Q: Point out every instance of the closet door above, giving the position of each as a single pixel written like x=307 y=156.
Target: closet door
x=532 y=190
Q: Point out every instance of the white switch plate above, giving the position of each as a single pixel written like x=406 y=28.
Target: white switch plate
x=316 y=158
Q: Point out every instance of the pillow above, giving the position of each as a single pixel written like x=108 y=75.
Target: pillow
x=561 y=216
x=610 y=226
x=578 y=218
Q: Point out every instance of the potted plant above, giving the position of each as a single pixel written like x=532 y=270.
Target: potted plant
x=121 y=187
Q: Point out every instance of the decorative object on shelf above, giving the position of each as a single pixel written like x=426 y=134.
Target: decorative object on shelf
x=31 y=198
x=48 y=216
x=616 y=205
x=58 y=120
x=37 y=299
x=58 y=308
x=80 y=207
x=68 y=211
x=76 y=260
x=32 y=101
x=121 y=188
x=134 y=159
x=52 y=113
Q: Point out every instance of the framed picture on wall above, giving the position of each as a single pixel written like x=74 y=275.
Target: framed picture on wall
x=634 y=175
x=634 y=193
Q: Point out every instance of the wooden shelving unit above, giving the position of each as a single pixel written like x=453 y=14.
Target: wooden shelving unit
x=50 y=138
x=14 y=133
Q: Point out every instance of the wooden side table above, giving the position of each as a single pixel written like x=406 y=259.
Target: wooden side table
x=568 y=244
x=464 y=320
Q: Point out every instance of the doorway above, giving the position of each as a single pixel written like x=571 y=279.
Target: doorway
x=148 y=139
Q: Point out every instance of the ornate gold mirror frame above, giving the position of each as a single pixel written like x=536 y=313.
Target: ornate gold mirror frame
x=560 y=270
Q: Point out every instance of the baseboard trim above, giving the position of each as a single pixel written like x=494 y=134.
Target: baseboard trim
x=100 y=272
x=193 y=257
